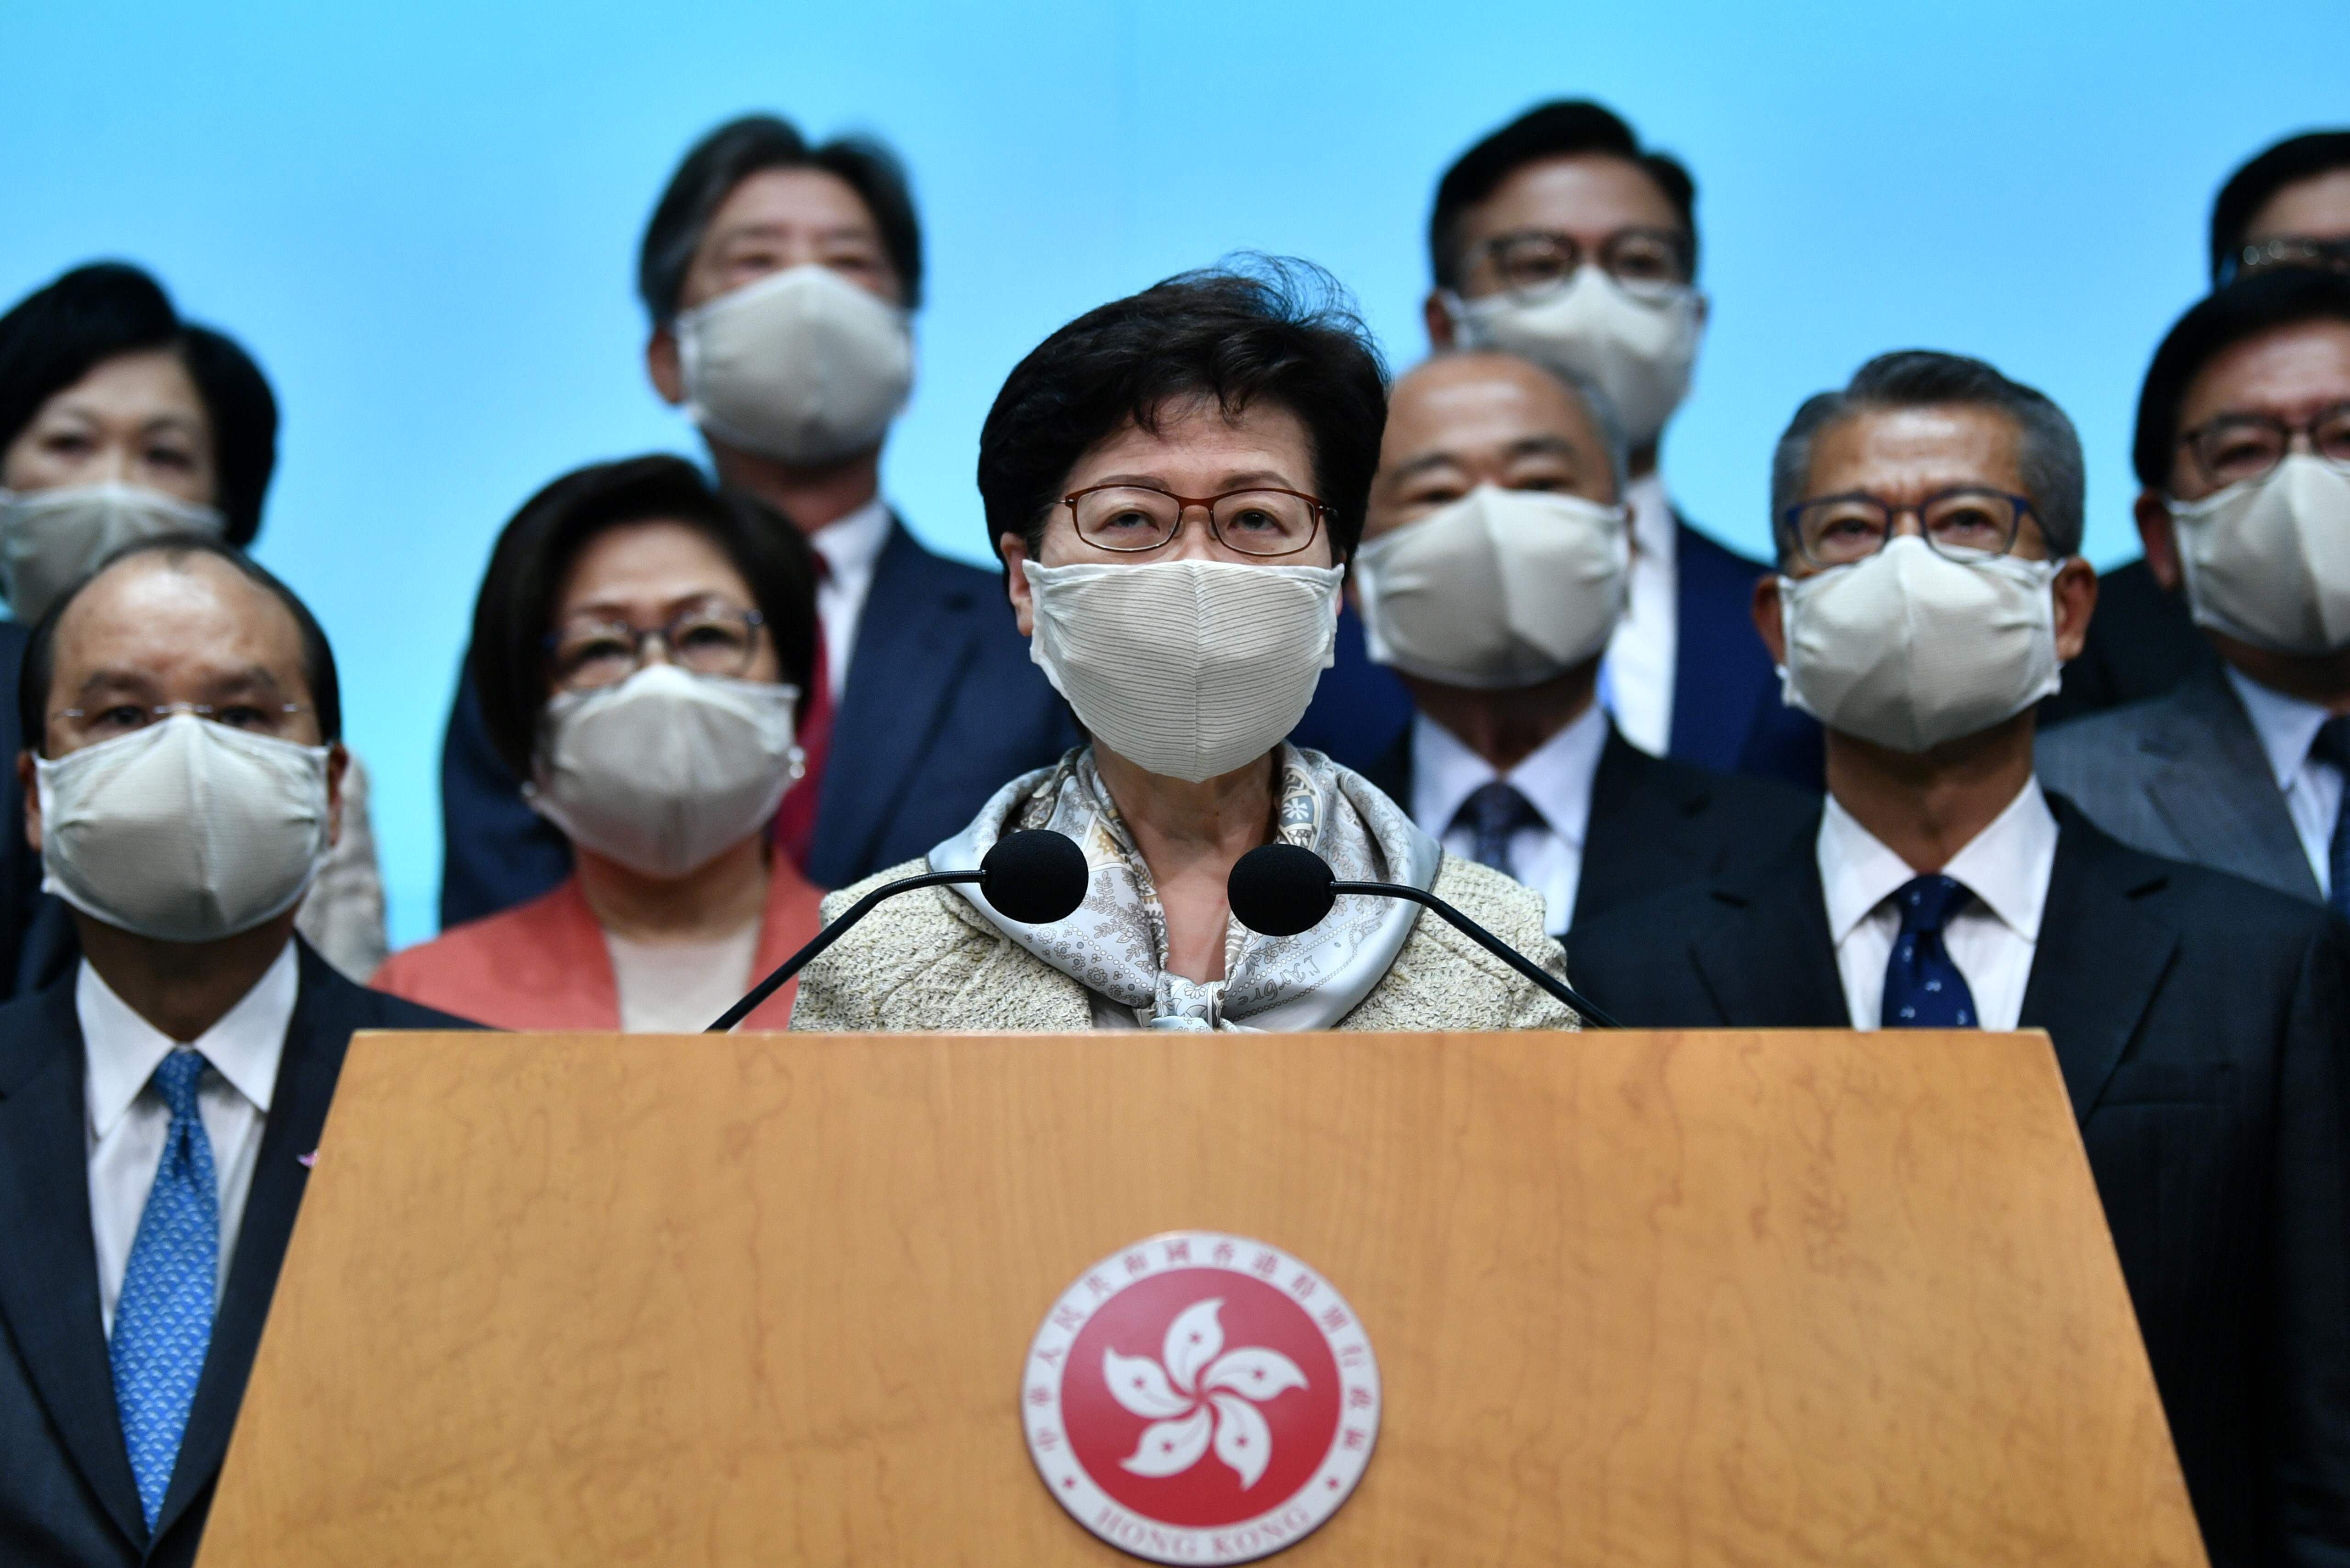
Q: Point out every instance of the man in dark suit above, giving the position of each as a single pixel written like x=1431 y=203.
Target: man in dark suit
x=160 y=1106
x=1559 y=237
x=1490 y=577
x=2244 y=448
x=1929 y=515
x=779 y=277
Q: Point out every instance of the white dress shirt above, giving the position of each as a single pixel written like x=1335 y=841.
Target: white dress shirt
x=2288 y=727
x=128 y=1119
x=1991 y=939
x=1555 y=777
x=850 y=547
x=1636 y=678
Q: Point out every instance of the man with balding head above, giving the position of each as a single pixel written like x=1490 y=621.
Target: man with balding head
x=1492 y=572
x=159 y=1107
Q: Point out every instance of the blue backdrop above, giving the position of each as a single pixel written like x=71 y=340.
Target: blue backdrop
x=422 y=219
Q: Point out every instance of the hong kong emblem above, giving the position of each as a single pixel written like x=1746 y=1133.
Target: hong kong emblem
x=1202 y=1398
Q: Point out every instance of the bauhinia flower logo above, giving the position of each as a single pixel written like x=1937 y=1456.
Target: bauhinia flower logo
x=1201 y=1397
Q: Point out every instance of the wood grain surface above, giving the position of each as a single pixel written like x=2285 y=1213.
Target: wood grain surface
x=1774 y=1298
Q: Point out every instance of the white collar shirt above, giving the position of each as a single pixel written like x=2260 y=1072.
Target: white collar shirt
x=1555 y=777
x=1993 y=937
x=850 y=547
x=127 y=1120
x=1636 y=678
x=2312 y=789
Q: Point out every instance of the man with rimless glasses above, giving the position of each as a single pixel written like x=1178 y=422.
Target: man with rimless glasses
x=1928 y=516
x=2244 y=448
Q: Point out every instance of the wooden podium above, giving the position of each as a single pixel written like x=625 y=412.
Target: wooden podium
x=1636 y=1298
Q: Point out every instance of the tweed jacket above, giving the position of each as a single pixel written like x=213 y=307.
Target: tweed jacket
x=927 y=960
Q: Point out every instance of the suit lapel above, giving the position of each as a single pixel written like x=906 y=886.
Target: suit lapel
x=326 y=1010
x=2218 y=793
x=2099 y=957
x=49 y=1290
x=906 y=665
x=1768 y=963
x=1634 y=837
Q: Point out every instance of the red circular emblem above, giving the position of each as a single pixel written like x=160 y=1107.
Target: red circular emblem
x=1198 y=1398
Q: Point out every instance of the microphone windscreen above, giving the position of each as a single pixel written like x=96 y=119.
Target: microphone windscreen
x=1034 y=877
x=1280 y=889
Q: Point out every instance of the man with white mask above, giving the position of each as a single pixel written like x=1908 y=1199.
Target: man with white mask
x=1492 y=572
x=1561 y=238
x=781 y=279
x=160 y=1105
x=1928 y=516
x=2244 y=448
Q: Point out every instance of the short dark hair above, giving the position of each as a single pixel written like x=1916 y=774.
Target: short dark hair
x=57 y=333
x=508 y=664
x=2251 y=186
x=741 y=148
x=2246 y=308
x=1265 y=328
x=40 y=650
x=2049 y=453
x=1561 y=129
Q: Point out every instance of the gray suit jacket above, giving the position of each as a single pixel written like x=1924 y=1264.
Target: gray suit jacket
x=2184 y=776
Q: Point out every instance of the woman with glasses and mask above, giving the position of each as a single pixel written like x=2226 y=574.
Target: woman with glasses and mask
x=121 y=421
x=640 y=649
x=1175 y=482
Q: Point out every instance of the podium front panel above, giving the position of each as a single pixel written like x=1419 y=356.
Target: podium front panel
x=1636 y=1298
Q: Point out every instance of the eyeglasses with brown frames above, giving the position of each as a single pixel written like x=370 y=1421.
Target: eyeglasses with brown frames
x=1261 y=520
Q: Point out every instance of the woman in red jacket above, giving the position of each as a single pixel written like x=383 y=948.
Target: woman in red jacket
x=641 y=650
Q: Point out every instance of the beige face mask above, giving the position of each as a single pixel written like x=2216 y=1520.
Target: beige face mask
x=1501 y=588
x=2268 y=560
x=51 y=539
x=1636 y=344
x=186 y=831
x=1189 y=669
x=802 y=366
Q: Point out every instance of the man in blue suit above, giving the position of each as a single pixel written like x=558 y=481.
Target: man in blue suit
x=1560 y=239
x=780 y=277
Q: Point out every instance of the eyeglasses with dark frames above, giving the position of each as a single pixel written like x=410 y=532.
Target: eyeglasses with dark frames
x=2286 y=251
x=1964 y=523
x=716 y=640
x=1533 y=262
x=1131 y=519
x=2233 y=448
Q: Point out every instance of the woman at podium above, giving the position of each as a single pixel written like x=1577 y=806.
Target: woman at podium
x=1175 y=482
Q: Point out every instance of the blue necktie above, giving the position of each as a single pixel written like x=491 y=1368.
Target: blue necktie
x=1923 y=989
x=1495 y=812
x=163 y=1319
x=2332 y=745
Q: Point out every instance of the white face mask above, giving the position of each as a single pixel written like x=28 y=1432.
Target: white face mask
x=1188 y=668
x=1910 y=648
x=802 y=366
x=1635 y=347
x=51 y=539
x=667 y=769
x=1500 y=588
x=186 y=831
x=2268 y=560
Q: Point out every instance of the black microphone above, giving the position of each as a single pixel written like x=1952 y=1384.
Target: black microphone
x=1034 y=877
x=1281 y=889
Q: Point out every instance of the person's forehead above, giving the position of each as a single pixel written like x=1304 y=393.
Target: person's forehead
x=2286 y=371
x=1468 y=401
x=784 y=200
x=142 y=387
x=1590 y=193
x=2317 y=207
x=659 y=559
x=1895 y=450
x=176 y=619
x=1196 y=429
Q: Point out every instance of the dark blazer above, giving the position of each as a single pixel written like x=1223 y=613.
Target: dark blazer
x=66 y=1497
x=2184 y=775
x=943 y=708
x=2201 y=1025
x=2142 y=643
x=21 y=899
x=1655 y=823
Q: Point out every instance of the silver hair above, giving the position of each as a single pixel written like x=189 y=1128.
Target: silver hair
x=2049 y=453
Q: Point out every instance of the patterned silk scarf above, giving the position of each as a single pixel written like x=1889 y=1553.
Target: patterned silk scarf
x=1115 y=944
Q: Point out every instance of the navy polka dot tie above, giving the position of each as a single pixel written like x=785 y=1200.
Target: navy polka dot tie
x=1923 y=989
x=1495 y=812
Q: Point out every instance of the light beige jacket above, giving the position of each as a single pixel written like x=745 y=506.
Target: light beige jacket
x=927 y=960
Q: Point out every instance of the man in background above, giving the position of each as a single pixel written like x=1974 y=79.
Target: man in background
x=2243 y=451
x=780 y=278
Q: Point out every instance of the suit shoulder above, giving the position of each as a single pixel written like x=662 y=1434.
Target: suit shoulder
x=2096 y=739
x=1693 y=546
x=371 y=1009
